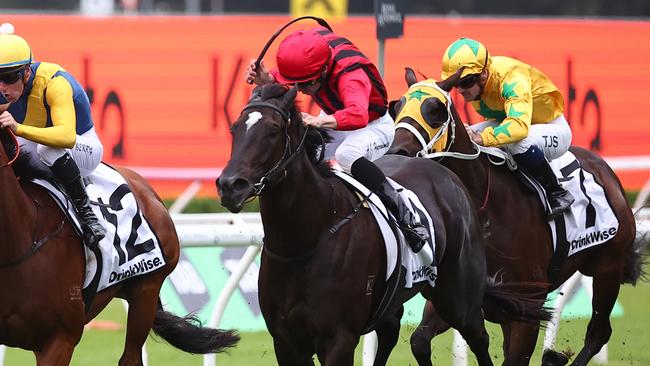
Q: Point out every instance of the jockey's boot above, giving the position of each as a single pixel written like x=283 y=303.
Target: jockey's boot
x=371 y=176
x=67 y=173
x=415 y=233
x=558 y=198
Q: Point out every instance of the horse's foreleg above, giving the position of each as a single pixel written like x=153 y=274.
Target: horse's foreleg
x=287 y=355
x=387 y=336
x=339 y=349
x=605 y=287
x=58 y=351
x=430 y=326
x=142 y=311
x=521 y=343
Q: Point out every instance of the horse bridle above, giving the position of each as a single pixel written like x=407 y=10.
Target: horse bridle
x=287 y=156
x=443 y=129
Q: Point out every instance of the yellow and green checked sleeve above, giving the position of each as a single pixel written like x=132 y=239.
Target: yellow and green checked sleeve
x=516 y=95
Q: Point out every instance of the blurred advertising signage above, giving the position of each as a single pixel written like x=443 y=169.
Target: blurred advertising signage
x=389 y=15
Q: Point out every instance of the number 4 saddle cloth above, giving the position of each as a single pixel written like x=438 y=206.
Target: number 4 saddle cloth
x=130 y=247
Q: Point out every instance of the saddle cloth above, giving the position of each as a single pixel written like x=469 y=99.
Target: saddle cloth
x=419 y=266
x=130 y=247
x=590 y=221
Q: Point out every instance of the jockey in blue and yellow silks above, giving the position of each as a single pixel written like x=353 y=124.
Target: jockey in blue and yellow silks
x=523 y=111
x=50 y=113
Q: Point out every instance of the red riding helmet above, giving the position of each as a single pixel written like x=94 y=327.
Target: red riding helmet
x=302 y=56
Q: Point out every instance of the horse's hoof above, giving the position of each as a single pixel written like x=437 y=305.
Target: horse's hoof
x=555 y=358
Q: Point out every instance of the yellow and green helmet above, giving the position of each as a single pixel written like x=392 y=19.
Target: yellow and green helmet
x=464 y=52
x=14 y=51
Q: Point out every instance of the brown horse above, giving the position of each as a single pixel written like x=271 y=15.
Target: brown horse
x=520 y=243
x=42 y=272
x=324 y=262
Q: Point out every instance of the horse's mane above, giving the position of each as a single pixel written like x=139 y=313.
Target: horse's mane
x=26 y=165
x=316 y=137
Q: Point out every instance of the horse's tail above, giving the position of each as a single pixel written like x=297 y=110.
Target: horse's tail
x=188 y=335
x=515 y=302
x=636 y=260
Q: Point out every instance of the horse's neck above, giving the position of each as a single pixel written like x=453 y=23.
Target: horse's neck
x=16 y=213
x=297 y=208
x=473 y=173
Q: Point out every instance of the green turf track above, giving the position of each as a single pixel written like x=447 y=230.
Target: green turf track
x=629 y=345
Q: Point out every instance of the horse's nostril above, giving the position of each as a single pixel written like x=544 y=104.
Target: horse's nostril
x=240 y=184
x=231 y=184
x=402 y=152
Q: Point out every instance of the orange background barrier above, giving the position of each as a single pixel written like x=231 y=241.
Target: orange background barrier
x=164 y=89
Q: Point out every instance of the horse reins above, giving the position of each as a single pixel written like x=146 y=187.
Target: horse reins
x=13 y=137
x=36 y=244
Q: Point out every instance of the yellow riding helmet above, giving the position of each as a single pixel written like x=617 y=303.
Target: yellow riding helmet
x=14 y=51
x=464 y=52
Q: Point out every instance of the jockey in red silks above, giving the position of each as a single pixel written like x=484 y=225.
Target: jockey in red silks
x=523 y=111
x=351 y=94
x=49 y=111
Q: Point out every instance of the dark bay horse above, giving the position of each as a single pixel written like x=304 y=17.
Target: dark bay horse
x=324 y=262
x=42 y=272
x=519 y=240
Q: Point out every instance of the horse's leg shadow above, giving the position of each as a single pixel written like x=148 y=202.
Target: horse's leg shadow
x=430 y=326
x=387 y=336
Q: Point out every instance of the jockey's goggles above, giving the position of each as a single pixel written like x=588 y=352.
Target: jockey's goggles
x=12 y=76
x=310 y=83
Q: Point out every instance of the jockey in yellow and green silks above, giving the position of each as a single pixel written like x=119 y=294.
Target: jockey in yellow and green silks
x=522 y=107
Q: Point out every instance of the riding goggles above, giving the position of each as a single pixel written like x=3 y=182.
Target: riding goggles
x=12 y=76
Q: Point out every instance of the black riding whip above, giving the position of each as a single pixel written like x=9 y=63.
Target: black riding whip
x=275 y=35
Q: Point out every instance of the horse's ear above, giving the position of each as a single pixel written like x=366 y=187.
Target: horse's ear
x=290 y=97
x=434 y=112
x=451 y=81
x=257 y=93
x=391 y=109
x=409 y=76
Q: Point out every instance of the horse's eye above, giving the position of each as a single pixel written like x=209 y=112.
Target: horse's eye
x=274 y=130
x=434 y=112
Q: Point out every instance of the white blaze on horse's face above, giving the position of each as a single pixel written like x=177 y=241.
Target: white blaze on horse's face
x=253 y=118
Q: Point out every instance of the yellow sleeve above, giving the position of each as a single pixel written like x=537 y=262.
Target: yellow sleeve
x=63 y=132
x=516 y=90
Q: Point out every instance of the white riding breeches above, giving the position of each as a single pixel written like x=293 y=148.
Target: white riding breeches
x=553 y=138
x=87 y=151
x=370 y=142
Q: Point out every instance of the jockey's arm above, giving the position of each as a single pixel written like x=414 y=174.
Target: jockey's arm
x=354 y=88
x=518 y=108
x=62 y=133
